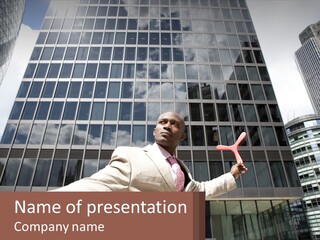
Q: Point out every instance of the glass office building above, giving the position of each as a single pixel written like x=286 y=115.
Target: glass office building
x=304 y=138
x=103 y=70
x=10 y=19
x=308 y=60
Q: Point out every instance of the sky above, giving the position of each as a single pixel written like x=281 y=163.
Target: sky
x=277 y=22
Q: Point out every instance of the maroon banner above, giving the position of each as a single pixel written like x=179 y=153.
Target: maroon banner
x=97 y=215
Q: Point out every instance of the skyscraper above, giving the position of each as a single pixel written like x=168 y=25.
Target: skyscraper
x=304 y=138
x=308 y=61
x=10 y=20
x=103 y=70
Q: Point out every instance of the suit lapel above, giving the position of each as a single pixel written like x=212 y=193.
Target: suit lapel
x=162 y=166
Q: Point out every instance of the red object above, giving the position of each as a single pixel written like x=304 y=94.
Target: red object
x=234 y=147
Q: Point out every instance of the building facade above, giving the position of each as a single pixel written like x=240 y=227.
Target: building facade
x=10 y=20
x=304 y=139
x=308 y=60
x=103 y=70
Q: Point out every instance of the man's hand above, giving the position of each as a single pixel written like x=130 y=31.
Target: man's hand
x=238 y=169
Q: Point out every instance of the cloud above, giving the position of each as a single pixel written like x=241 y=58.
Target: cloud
x=10 y=85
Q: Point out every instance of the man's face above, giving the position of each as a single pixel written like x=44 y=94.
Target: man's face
x=169 y=131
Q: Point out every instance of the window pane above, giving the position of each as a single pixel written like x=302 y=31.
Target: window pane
x=57 y=173
x=138 y=135
x=94 y=134
x=139 y=112
x=35 y=89
x=125 y=111
x=42 y=172
x=87 y=90
x=278 y=174
x=8 y=134
x=74 y=90
x=56 y=111
x=29 y=110
x=37 y=133
x=84 y=111
x=263 y=174
x=26 y=172
x=73 y=171
x=51 y=134
x=109 y=135
x=65 y=134
x=70 y=111
x=90 y=166
x=43 y=111
x=23 y=90
x=80 y=134
x=97 y=111
x=10 y=173
x=197 y=136
x=61 y=90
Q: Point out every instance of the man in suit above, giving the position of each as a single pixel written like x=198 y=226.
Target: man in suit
x=134 y=169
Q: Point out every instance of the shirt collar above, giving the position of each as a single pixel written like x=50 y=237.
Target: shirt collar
x=161 y=151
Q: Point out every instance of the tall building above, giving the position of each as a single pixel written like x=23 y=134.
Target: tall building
x=308 y=60
x=304 y=138
x=10 y=21
x=103 y=70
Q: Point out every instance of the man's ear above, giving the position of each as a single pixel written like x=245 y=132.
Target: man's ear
x=153 y=131
x=183 y=136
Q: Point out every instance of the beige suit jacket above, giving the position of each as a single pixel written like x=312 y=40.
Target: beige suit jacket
x=133 y=169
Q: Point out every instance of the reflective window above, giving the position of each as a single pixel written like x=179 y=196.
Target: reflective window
x=116 y=70
x=153 y=111
x=36 y=53
x=249 y=112
x=61 y=90
x=70 y=53
x=236 y=112
x=123 y=135
x=197 y=136
x=22 y=133
x=103 y=71
x=275 y=113
x=8 y=134
x=73 y=171
x=82 y=53
x=139 y=111
x=37 y=133
x=53 y=70
x=35 y=89
x=212 y=135
x=226 y=135
x=63 y=38
x=114 y=89
x=268 y=136
x=232 y=91
x=94 y=53
x=65 y=134
x=48 y=89
x=201 y=170
x=41 y=70
x=47 y=53
x=51 y=133
x=130 y=53
x=10 y=172
x=74 y=90
x=223 y=113
x=249 y=180
x=70 y=110
x=109 y=135
x=153 y=90
x=100 y=90
x=125 y=111
x=30 y=70
x=281 y=136
x=57 y=173
x=97 y=111
x=42 y=172
x=263 y=174
x=84 y=110
x=278 y=175
x=91 y=70
x=94 y=134
x=80 y=134
x=269 y=92
x=195 y=112
x=74 y=38
x=86 y=37
x=66 y=70
x=262 y=113
x=108 y=37
x=26 y=172
x=43 y=111
x=29 y=110
x=16 y=110
x=56 y=110
x=193 y=91
x=245 y=92
x=90 y=166
x=254 y=135
x=257 y=92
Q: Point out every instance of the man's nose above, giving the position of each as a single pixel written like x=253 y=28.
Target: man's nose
x=167 y=125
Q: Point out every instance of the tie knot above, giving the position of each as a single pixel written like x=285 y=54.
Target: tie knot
x=172 y=160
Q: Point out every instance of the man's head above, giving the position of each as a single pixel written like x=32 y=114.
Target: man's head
x=169 y=131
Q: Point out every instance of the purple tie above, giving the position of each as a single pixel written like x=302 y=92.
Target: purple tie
x=179 y=175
